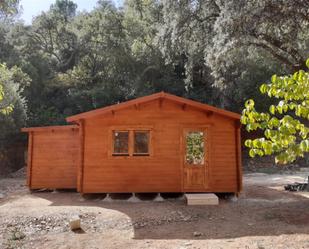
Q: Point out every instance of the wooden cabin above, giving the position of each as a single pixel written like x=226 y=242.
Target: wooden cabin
x=158 y=143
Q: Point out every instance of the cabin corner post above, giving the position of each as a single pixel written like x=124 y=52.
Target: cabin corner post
x=29 y=158
x=210 y=154
x=238 y=155
x=80 y=166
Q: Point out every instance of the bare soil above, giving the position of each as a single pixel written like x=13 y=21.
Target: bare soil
x=264 y=216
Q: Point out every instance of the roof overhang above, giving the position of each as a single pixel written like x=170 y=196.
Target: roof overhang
x=49 y=128
x=161 y=95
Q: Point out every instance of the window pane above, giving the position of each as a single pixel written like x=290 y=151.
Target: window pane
x=121 y=142
x=141 y=142
x=195 y=148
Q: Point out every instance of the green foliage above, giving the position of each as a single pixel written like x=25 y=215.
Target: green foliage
x=216 y=52
x=195 y=148
x=234 y=45
x=8 y=8
x=7 y=109
x=285 y=124
x=12 y=83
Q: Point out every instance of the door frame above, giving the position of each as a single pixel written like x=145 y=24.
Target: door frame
x=207 y=166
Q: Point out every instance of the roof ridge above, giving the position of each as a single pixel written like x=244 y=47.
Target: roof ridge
x=152 y=97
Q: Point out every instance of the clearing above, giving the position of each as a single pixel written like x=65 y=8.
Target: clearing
x=265 y=216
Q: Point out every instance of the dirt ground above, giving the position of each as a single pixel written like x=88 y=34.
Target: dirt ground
x=264 y=216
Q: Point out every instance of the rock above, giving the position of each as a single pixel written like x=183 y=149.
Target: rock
x=197 y=234
x=75 y=223
x=1 y=196
x=19 y=173
x=304 y=169
x=187 y=218
x=18 y=236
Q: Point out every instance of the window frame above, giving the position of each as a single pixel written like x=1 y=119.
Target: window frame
x=113 y=143
x=204 y=139
x=131 y=130
x=207 y=129
x=133 y=143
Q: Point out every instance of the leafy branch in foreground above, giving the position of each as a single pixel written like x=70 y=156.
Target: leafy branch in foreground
x=4 y=108
x=285 y=126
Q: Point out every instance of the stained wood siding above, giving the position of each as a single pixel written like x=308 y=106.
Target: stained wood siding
x=53 y=157
x=163 y=171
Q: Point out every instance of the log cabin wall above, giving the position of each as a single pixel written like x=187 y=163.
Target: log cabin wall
x=162 y=171
x=52 y=157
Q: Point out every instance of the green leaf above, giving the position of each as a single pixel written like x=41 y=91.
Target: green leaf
x=274 y=79
x=304 y=145
x=249 y=103
x=272 y=109
x=251 y=153
x=263 y=88
x=248 y=143
x=257 y=143
x=307 y=62
x=287 y=136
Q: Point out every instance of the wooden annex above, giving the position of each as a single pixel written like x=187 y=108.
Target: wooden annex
x=157 y=143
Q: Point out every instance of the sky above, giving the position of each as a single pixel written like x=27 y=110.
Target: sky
x=32 y=8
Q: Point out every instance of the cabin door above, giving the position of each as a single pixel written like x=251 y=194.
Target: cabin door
x=195 y=159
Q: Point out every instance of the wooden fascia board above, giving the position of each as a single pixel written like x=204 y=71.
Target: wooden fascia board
x=238 y=155
x=81 y=157
x=49 y=128
x=155 y=96
x=29 y=159
x=202 y=106
x=113 y=107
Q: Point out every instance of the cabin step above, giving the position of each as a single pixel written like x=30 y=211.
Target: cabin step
x=202 y=199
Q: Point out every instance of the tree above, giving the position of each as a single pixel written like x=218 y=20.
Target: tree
x=52 y=34
x=285 y=126
x=103 y=72
x=8 y=9
x=4 y=109
x=151 y=72
x=276 y=27
x=185 y=34
x=12 y=84
x=117 y=57
x=213 y=37
x=12 y=81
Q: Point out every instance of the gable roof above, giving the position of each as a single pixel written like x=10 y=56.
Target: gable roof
x=160 y=95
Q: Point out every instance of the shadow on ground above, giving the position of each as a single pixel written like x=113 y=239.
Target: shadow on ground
x=260 y=211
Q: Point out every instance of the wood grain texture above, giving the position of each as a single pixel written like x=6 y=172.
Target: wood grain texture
x=53 y=156
x=29 y=159
x=239 y=158
x=163 y=170
x=50 y=128
x=81 y=156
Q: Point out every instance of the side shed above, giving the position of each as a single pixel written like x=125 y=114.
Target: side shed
x=52 y=157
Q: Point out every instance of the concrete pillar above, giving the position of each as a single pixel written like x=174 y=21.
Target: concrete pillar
x=158 y=198
x=133 y=198
x=107 y=198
